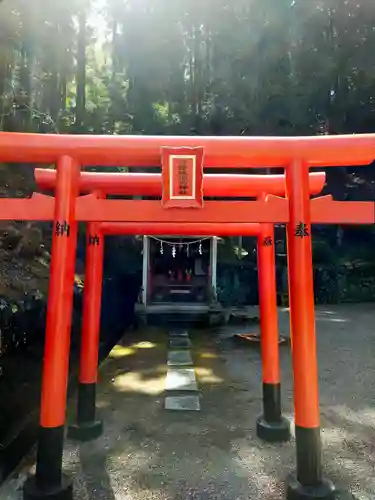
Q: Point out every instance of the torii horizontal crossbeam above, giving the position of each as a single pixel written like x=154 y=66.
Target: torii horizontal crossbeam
x=274 y=210
x=133 y=150
x=176 y=229
x=91 y=209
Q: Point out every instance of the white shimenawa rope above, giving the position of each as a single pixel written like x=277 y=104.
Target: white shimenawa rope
x=178 y=243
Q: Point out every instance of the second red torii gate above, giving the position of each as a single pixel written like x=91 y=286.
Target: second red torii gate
x=271 y=425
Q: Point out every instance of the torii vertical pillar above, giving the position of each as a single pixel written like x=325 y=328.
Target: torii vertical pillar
x=49 y=482
x=271 y=425
x=308 y=483
x=87 y=426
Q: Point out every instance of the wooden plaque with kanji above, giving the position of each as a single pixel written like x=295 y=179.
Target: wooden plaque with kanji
x=182 y=177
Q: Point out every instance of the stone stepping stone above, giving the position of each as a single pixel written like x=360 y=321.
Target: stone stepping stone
x=179 y=358
x=178 y=333
x=179 y=343
x=182 y=403
x=181 y=379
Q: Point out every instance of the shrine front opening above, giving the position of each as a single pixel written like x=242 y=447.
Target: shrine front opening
x=182 y=203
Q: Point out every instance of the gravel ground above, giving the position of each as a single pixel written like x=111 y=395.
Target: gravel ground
x=150 y=453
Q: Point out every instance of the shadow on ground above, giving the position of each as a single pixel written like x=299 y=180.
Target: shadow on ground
x=147 y=452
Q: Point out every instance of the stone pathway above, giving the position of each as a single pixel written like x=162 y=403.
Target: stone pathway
x=181 y=378
x=179 y=358
x=148 y=453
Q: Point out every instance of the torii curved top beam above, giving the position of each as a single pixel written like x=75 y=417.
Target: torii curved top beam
x=230 y=185
x=136 y=150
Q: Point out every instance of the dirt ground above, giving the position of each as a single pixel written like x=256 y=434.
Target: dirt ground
x=149 y=453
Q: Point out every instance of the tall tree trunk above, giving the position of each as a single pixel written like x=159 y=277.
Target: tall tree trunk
x=54 y=98
x=81 y=73
x=24 y=100
x=115 y=62
x=198 y=70
x=63 y=85
x=115 y=69
x=5 y=72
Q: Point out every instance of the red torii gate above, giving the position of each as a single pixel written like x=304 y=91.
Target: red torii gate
x=270 y=426
x=296 y=155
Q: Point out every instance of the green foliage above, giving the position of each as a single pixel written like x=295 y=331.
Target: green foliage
x=246 y=66
x=237 y=283
x=323 y=252
x=344 y=283
x=250 y=67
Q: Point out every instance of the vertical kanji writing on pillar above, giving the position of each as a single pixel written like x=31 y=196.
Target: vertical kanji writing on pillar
x=182 y=178
x=301 y=230
x=62 y=228
x=94 y=239
x=267 y=242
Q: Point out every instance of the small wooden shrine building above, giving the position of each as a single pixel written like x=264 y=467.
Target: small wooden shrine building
x=179 y=276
